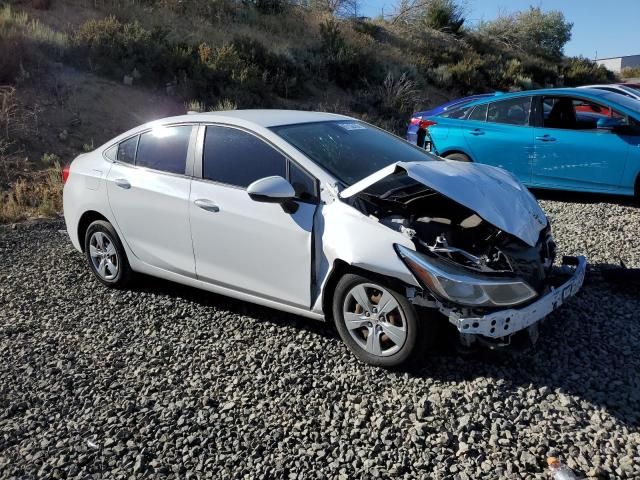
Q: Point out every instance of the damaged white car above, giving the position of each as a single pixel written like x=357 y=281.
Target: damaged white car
x=324 y=216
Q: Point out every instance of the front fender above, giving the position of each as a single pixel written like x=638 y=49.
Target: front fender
x=343 y=233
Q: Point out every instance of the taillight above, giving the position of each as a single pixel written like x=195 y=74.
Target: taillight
x=427 y=123
x=416 y=120
x=65 y=172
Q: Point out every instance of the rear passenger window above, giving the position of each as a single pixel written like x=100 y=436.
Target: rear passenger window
x=127 y=150
x=164 y=148
x=459 y=112
x=238 y=158
x=479 y=113
x=512 y=112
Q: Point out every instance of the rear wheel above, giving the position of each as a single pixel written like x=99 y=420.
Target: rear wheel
x=460 y=157
x=105 y=255
x=378 y=324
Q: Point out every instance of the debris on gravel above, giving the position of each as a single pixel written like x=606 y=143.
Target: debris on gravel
x=166 y=381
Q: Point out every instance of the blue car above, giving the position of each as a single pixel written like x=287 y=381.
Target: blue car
x=566 y=139
x=414 y=125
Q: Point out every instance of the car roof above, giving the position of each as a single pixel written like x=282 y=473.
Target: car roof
x=252 y=119
x=590 y=93
x=264 y=118
x=543 y=91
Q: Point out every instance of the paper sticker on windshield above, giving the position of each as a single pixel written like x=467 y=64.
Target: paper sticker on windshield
x=352 y=126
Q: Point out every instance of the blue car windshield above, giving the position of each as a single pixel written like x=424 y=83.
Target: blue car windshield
x=627 y=102
x=348 y=149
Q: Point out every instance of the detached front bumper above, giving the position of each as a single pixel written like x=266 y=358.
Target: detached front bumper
x=507 y=322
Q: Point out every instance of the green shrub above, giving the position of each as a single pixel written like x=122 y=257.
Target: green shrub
x=533 y=31
x=50 y=159
x=345 y=64
x=443 y=15
x=367 y=27
x=630 y=73
x=116 y=49
x=26 y=44
x=582 y=71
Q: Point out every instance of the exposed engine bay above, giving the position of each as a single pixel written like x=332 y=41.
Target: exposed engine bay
x=442 y=228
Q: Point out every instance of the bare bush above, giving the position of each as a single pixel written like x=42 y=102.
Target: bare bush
x=9 y=111
x=398 y=94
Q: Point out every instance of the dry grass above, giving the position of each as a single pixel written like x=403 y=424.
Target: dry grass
x=630 y=73
x=14 y=23
x=38 y=194
x=200 y=107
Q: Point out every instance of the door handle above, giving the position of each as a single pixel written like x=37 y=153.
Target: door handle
x=546 y=138
x=477 y=132
x=207 y=205
x=122 y=183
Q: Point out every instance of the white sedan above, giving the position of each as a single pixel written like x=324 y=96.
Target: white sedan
x=631 y=90
x=323 y=216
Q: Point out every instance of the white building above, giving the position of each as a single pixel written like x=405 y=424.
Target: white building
x=617 y=64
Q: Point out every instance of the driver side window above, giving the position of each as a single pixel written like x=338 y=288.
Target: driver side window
x=237 y=158
x=571 y=113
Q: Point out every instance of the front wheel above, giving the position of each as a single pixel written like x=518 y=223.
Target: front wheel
x=378 y=324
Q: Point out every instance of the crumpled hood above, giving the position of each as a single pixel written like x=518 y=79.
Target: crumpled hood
x=494 y=194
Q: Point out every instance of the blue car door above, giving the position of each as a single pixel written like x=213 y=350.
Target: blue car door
x=571 y=152
x=499 y=134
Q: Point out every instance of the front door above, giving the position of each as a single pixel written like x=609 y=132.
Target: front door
x=253 y=247
x=572 y=153
x=149 y=196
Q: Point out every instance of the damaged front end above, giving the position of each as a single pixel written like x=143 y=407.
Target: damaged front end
x=484 y=253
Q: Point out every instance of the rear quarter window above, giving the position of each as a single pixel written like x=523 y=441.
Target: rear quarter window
x=127 y=150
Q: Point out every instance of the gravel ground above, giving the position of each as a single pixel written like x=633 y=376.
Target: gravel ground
x=165 y=381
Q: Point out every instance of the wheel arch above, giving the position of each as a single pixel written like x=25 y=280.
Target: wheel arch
x=456 y=150
x=86 y=219
x=342 y=268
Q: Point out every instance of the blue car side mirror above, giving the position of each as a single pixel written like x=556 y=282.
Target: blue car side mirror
x=609 y=123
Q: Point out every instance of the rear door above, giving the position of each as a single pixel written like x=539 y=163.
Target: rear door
x=571 y=152
x=258 y=248
x=148 y=189
x=499 y=134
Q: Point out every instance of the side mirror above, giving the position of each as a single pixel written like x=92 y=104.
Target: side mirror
x=271 y=189
x=609 y=123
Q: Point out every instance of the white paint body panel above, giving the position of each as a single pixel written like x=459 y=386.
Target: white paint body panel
x=345 y=234
x=494 y=194
x=255 y=251
x=153 y=216
x=250 y=246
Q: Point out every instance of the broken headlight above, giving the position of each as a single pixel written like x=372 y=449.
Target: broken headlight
x=465 y=288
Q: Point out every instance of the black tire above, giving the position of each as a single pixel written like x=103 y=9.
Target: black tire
x=460 y=157
x=124 y=273
x=414 y=343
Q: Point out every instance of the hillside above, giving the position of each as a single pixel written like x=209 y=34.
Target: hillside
x=79 y=72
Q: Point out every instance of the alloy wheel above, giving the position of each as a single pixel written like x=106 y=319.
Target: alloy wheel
x=374 y=319
x=104 y=255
